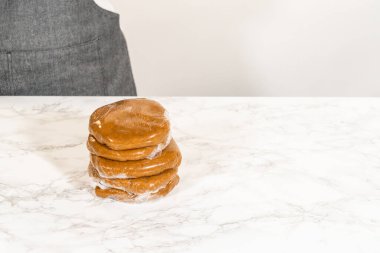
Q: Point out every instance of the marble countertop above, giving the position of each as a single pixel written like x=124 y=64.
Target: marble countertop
x=258 y=175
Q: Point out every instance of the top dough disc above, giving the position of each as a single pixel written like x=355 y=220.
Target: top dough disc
x=130 y=124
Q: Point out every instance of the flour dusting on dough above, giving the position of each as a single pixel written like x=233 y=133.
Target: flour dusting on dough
x=160 y=148
x=98 y=123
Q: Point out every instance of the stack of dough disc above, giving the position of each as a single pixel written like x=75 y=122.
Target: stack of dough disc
x=133 y=157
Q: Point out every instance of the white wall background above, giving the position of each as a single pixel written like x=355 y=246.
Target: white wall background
x=253 y=47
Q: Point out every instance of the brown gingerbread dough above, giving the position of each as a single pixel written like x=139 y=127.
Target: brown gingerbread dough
x=136 y=185
x=99 y=149
x=130 y=197
x=130 y=124
x=170 y=158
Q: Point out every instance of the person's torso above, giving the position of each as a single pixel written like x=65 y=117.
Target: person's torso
x=42 y=24
x=65 y=46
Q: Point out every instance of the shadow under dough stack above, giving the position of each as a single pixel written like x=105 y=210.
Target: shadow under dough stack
x=133 y=156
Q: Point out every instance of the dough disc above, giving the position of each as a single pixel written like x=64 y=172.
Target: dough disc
x=130 y=197
x=169 y=158
x=101 y=150
x=136 y=185
x=130 y=124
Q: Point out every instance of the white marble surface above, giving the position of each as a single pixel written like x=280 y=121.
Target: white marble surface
x=259 y=175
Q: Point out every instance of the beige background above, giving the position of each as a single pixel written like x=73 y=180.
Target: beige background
x=248 y=47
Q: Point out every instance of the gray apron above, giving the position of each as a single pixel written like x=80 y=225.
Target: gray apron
x=62 y=47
